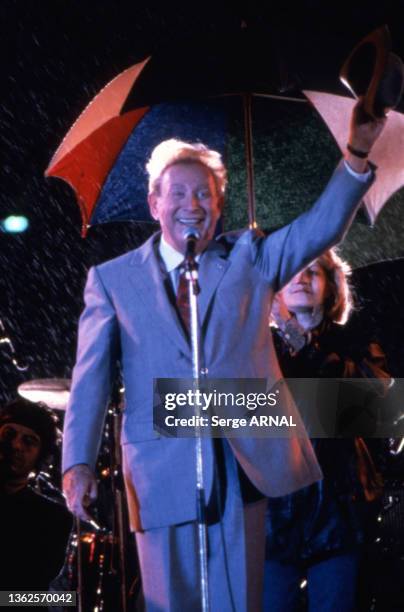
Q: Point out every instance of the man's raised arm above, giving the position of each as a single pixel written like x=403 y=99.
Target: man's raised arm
x=285 y=252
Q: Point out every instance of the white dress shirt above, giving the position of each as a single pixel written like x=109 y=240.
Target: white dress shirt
x=172 y=259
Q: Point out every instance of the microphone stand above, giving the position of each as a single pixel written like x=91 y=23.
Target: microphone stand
x=191 y=274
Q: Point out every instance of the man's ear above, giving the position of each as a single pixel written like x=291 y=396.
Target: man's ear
x=152 y=200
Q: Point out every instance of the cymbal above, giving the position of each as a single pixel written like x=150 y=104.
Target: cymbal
x=54 y=392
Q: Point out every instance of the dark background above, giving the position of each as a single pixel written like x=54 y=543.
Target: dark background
x=58 y=54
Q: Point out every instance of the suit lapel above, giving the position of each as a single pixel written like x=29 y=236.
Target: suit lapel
x=149 y=280
x=212 y=268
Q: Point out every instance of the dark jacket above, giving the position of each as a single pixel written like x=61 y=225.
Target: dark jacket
x=34 y=536
x=328 y=516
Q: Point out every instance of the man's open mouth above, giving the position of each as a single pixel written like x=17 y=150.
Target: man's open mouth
x=190 y=222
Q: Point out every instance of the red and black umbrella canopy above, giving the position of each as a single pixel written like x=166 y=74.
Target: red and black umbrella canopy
x=191 y=70
x=232 y=66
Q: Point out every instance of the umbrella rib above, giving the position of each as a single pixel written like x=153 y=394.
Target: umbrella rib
x=276 y=97
x=249 y=155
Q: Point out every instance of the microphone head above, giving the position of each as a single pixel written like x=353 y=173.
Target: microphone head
x=191 y=233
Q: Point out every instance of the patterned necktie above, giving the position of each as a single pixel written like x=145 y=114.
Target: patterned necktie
x=182 y=299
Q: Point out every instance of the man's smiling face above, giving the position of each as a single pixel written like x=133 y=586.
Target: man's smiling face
x=187 y=196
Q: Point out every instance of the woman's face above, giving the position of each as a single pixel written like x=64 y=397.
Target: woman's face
x=307 y=290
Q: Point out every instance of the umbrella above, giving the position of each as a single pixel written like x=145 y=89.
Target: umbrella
x=96 y=141
x=292 y=148
x=103 y=154
x=374 y=72
x=387 y=154
x=88 y=152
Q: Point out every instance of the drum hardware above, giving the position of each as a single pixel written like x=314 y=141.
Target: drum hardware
x=396 y=445
x=390 y=520
x=79 y=567
x=88 y=568
x=5 y=339
x=95 y=554
x=53 y=392
x=93 y=550
x=100 y=557
x=44 y=486
x=118 y=490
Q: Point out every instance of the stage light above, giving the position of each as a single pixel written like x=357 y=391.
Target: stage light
x=15 y=224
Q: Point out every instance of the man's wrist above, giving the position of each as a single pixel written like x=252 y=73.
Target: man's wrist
x=356 y=164
x=357 y=152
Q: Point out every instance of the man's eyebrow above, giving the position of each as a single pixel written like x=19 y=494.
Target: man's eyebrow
x=199 y=186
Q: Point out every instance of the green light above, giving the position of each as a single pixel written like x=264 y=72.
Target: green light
x=15 y=224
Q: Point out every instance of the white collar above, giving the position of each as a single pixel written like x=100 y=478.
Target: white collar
x=170 y=256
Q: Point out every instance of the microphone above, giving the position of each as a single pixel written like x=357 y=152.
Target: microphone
x=191 y=236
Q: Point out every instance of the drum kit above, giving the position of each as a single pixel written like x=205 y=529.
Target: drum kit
x=54 y=392
x=100 y=561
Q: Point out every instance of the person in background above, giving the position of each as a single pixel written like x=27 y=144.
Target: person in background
x=34 y=529
x=317 y=533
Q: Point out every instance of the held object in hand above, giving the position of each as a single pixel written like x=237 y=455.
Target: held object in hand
x=374 y=72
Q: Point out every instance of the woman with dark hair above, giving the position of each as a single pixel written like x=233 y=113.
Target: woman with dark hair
x=316 y=534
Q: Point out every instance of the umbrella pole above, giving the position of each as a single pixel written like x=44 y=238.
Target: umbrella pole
x=248 y=144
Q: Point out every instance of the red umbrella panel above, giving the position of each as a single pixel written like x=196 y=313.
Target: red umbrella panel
x=229 y=64
x=110 y=181
x=103 y=155
x=102 y=152
x=88 y=152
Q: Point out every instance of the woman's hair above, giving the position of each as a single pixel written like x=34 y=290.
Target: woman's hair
x=339 y=301
x=175 y=151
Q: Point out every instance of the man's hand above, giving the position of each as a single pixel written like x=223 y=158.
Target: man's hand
x=80 y=489
x=363 y=133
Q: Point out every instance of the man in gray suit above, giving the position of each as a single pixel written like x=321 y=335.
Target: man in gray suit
x=129 y=312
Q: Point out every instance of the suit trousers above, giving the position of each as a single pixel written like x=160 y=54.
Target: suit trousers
x=236 y=548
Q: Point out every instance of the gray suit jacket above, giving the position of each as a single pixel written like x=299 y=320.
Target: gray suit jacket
x=127 y=309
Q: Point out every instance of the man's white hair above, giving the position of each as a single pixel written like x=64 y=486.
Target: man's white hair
x=175 y=151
